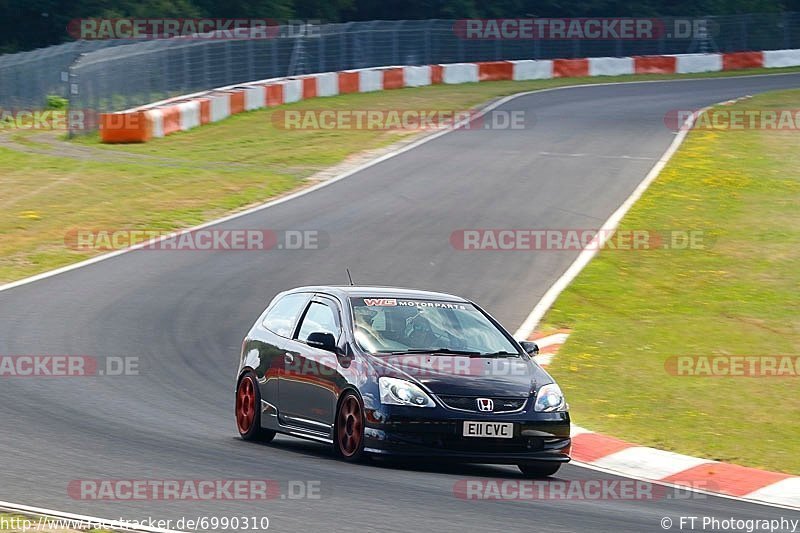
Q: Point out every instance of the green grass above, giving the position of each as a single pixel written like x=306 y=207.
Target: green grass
x=194 y=176
x=630 y=311
x=7 y=519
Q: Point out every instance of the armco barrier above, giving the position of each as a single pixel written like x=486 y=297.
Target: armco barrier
x=417 y=76
x=156 y=119
x=740 y=60
x=349 y=82
x=610 y=66
x=309 y=87
x=254 y=97
x=690 y=63
x=460 y=73
x=185 y=112
x=570 y=68
x=171 y=119
x=190 y=114
x=532 y=69
x=495 y=71
x=781 y=58
x=205 y=110
x=327 y=84
x=437 y=74
x=275 y=94
x=368 y=80
x=220 y=106
x=126 y=127
x=292 y=91
x=394 y=78
x=655 y=64
x=236 y=99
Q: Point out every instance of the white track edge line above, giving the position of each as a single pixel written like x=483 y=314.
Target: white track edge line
x=585 y=256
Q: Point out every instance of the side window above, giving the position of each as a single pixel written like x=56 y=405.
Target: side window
x=283 y=315
x=319 y=318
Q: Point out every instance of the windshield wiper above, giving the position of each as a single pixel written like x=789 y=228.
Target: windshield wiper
x=500 y=354
x=434 y=351
x=450 y=351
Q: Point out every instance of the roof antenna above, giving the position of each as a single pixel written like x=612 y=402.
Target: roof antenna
x=349 y=276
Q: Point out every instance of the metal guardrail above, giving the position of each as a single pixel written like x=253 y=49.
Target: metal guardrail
x=27 y=78
x=115 y=75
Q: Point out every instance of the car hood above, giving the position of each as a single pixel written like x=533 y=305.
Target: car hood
x=509 y=377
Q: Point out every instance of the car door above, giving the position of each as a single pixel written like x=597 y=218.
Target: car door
x=273 y=338
x=308 y=387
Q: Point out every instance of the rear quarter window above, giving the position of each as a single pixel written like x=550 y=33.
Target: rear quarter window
x=283 y=315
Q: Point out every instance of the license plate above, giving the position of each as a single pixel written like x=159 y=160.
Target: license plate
x=495 y=430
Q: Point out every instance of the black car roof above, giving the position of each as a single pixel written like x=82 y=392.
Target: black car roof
x=348 y=291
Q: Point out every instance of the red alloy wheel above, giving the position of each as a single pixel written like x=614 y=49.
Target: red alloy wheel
x=350 y=427
x=245 y=405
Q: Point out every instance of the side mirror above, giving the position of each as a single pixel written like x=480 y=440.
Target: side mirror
x=323 y=341
x=530 y=347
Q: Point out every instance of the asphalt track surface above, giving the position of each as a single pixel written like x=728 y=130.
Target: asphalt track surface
x=184 y=315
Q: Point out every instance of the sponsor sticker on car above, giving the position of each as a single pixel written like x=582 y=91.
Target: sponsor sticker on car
x=394 y=302
x=380 y=302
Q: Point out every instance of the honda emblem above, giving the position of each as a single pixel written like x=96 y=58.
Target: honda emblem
x=485 y=404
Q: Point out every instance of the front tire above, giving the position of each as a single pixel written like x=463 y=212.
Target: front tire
x=349 y=431
x=539 y=469
x=248 y=410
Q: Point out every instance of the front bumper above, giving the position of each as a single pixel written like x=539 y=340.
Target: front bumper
x=437 y=433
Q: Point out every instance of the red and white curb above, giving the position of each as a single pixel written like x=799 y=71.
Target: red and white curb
x=617 y=456
x=549 y=345
x=185 y=112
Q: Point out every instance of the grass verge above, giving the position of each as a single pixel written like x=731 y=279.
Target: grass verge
x=738 y=295
x=50 y=186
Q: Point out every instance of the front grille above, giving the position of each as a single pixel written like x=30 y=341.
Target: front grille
x=470 y=403
x=466 y=445
x=457 y=443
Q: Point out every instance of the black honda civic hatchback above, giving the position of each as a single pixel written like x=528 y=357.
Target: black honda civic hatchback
x=399 y=372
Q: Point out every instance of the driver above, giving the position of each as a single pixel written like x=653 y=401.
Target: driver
x=364 y=317
x=365 y=332
x=419 y=332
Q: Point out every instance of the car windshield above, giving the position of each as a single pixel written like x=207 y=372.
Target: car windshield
x=394 y=325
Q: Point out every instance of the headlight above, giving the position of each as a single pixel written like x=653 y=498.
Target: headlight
x=401 y=392
x=550 y=398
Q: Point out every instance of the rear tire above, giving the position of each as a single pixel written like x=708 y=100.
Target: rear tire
x=348 y=440
x=248 y=410
x=539 y=469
